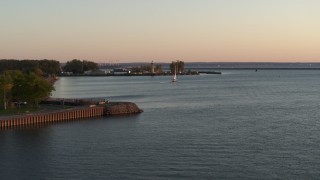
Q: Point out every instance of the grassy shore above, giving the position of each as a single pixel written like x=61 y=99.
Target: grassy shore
x=26 y=110
x=17 y=111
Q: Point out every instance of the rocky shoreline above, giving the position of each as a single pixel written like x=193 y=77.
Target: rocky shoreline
x=121 y=108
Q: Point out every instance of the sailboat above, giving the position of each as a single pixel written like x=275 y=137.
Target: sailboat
x=174 y=79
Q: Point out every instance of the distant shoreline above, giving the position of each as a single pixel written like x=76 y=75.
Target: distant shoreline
x=168 y=74
x=251 y=68
x=199 y=71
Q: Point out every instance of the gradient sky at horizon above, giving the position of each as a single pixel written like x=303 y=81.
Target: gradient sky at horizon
x=161 y=30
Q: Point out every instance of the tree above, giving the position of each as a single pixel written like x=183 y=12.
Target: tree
x=48 y=67
x=8 y=64
x=158 y=68
x=75 y=66
x=78 y=67
x=177 y=66
x=3 y=90
x=89 y=65
x=7 y=83
x=18 y=86
x=28 y=65
x=31 y=88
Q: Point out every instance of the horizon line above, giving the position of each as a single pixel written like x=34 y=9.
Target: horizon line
x=124 y=62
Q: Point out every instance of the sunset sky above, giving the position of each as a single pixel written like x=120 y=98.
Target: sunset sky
x=161 y=30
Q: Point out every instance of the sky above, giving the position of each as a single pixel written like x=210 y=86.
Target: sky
x=115 y=31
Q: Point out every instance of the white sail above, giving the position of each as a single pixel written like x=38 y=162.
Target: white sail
x=174 y=79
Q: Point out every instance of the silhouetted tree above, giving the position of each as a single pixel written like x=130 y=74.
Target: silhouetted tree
x=177 y=66
x=75 y=66
x=89 y=66
x=78 y=67
x=158 y=68
x=48 y=67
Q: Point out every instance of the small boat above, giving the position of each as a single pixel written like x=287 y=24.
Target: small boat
x=174 y=79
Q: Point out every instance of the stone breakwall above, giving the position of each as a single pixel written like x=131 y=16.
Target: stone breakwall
x=122 y=108
x=108 y=109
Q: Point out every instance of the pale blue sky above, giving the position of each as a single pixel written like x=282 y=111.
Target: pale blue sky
x=161 y=30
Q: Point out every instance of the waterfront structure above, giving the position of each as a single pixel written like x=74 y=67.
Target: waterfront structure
x=99 y=109
x=58 y=116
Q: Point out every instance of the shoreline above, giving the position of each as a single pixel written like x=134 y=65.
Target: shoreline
x=71 y=75
x=74 y=113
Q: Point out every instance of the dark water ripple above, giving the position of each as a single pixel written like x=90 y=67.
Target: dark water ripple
x=241 y=125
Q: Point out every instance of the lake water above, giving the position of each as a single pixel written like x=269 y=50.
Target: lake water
x=240 y=125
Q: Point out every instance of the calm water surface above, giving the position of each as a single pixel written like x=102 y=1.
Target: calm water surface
x=241 y=125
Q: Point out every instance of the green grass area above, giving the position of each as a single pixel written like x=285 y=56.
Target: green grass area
x=16 y=111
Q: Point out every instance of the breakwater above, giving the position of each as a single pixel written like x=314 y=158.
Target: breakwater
x=116 y=108
x=70 y=114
